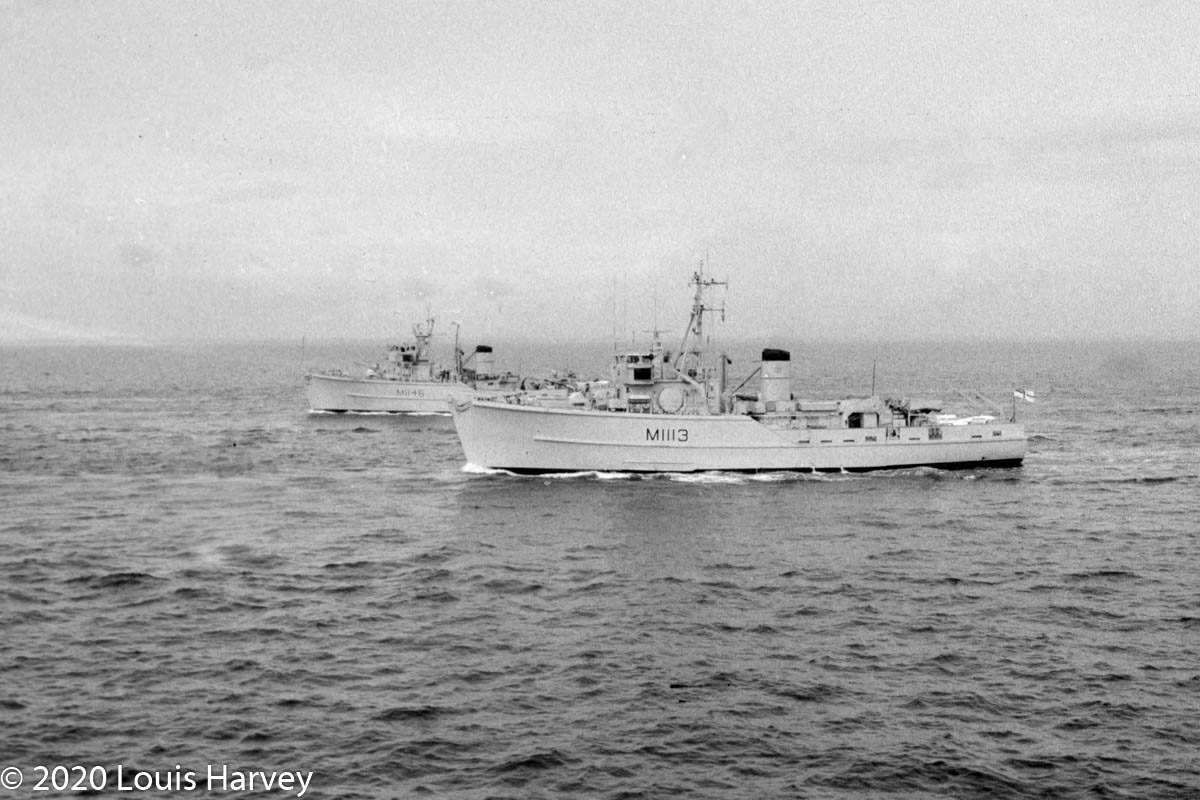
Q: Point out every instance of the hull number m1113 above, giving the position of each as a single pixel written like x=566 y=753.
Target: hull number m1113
x=666 y=434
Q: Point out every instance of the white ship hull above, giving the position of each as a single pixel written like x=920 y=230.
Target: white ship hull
x=345 y=393
x=528 y=439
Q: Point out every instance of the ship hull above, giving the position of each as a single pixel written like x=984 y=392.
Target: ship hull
x=343 y=393
x=527 y=439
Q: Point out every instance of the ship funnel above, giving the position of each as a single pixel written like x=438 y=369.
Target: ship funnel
x=775 y=383
x=485 y=363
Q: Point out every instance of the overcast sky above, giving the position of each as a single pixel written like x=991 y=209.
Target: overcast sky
x=856 y=169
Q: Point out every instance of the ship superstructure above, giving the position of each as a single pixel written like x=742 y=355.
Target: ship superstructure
x=673 y=412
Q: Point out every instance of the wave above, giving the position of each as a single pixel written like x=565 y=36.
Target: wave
x=735 y=478
x=1103 y=574
x=1137 y=479
x=116 y=580
x=410 y=713
x=705 y=477
x=323 y=413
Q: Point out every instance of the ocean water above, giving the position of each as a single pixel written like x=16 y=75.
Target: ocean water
x=198 y=577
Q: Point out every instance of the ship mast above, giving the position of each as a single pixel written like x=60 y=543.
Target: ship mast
x=691 y=347
x=423 y=333
x=458 y=361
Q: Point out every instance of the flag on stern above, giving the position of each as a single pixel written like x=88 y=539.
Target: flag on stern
x=1025 y=395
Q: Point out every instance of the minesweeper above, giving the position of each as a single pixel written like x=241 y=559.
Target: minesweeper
x=664 y=414
x=410 y=382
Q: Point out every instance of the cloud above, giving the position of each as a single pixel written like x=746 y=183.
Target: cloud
x=19 y=328
x=862 y=170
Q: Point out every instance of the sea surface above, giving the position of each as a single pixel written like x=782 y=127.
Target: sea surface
x=198 y=575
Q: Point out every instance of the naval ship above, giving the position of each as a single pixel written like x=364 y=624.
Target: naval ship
x=409 y=381
x=660 y=413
